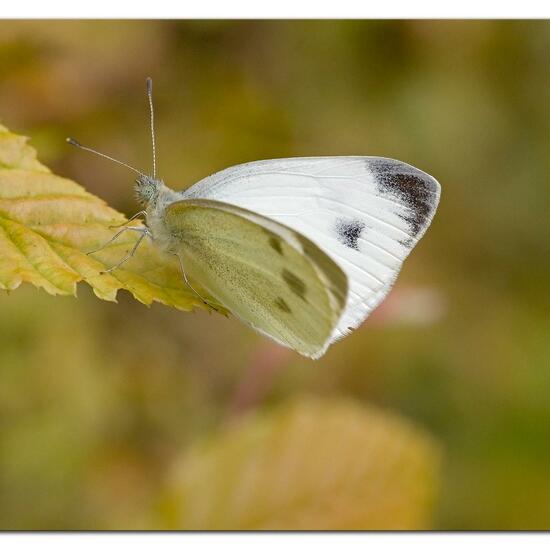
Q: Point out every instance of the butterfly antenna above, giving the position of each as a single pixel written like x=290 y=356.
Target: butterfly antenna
x=152 y=113
x=73 y=141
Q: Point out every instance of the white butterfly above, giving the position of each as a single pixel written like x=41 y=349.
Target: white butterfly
x=301 y=249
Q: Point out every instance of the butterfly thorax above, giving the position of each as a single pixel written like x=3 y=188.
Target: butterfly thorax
x=154 y=195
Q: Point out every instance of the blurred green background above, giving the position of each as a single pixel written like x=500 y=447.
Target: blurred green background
x=96 y=399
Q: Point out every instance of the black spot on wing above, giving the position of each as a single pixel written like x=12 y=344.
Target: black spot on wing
x=406 y=243
x=415 y=189
x=295 y=284
x=349 y=231
x=282 y=305
x=275 y=243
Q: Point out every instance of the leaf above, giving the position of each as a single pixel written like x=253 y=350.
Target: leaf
x=49 y=223
x=313 y=465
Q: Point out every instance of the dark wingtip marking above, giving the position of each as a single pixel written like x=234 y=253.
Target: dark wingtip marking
x=275 y=243
x=282 y=305
x=294 y=283
x=349 y=231
x=407 y=183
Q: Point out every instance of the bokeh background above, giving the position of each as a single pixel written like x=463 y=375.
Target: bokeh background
x=98 y=399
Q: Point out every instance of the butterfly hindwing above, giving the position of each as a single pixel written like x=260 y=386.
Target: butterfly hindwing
x=271 y=277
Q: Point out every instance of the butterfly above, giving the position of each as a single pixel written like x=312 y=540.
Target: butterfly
x=300 y=249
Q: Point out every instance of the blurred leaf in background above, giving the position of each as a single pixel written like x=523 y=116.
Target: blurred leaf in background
x=311 y=465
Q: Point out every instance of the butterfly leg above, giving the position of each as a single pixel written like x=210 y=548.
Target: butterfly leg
x=144 y=232
x=136 y=215
x=204 y=300
x=116 y=236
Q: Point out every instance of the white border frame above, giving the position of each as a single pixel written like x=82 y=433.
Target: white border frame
x=283 y=9
x=273 y=541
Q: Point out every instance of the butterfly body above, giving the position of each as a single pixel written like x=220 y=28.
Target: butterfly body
x=154 y=196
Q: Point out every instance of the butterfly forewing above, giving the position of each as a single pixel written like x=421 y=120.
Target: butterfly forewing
x=273 y=278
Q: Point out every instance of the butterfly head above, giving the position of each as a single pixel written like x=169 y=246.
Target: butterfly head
x=147 y=189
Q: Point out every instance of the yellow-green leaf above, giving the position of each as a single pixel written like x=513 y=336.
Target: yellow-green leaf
x=49 y=223
x=314 y=464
